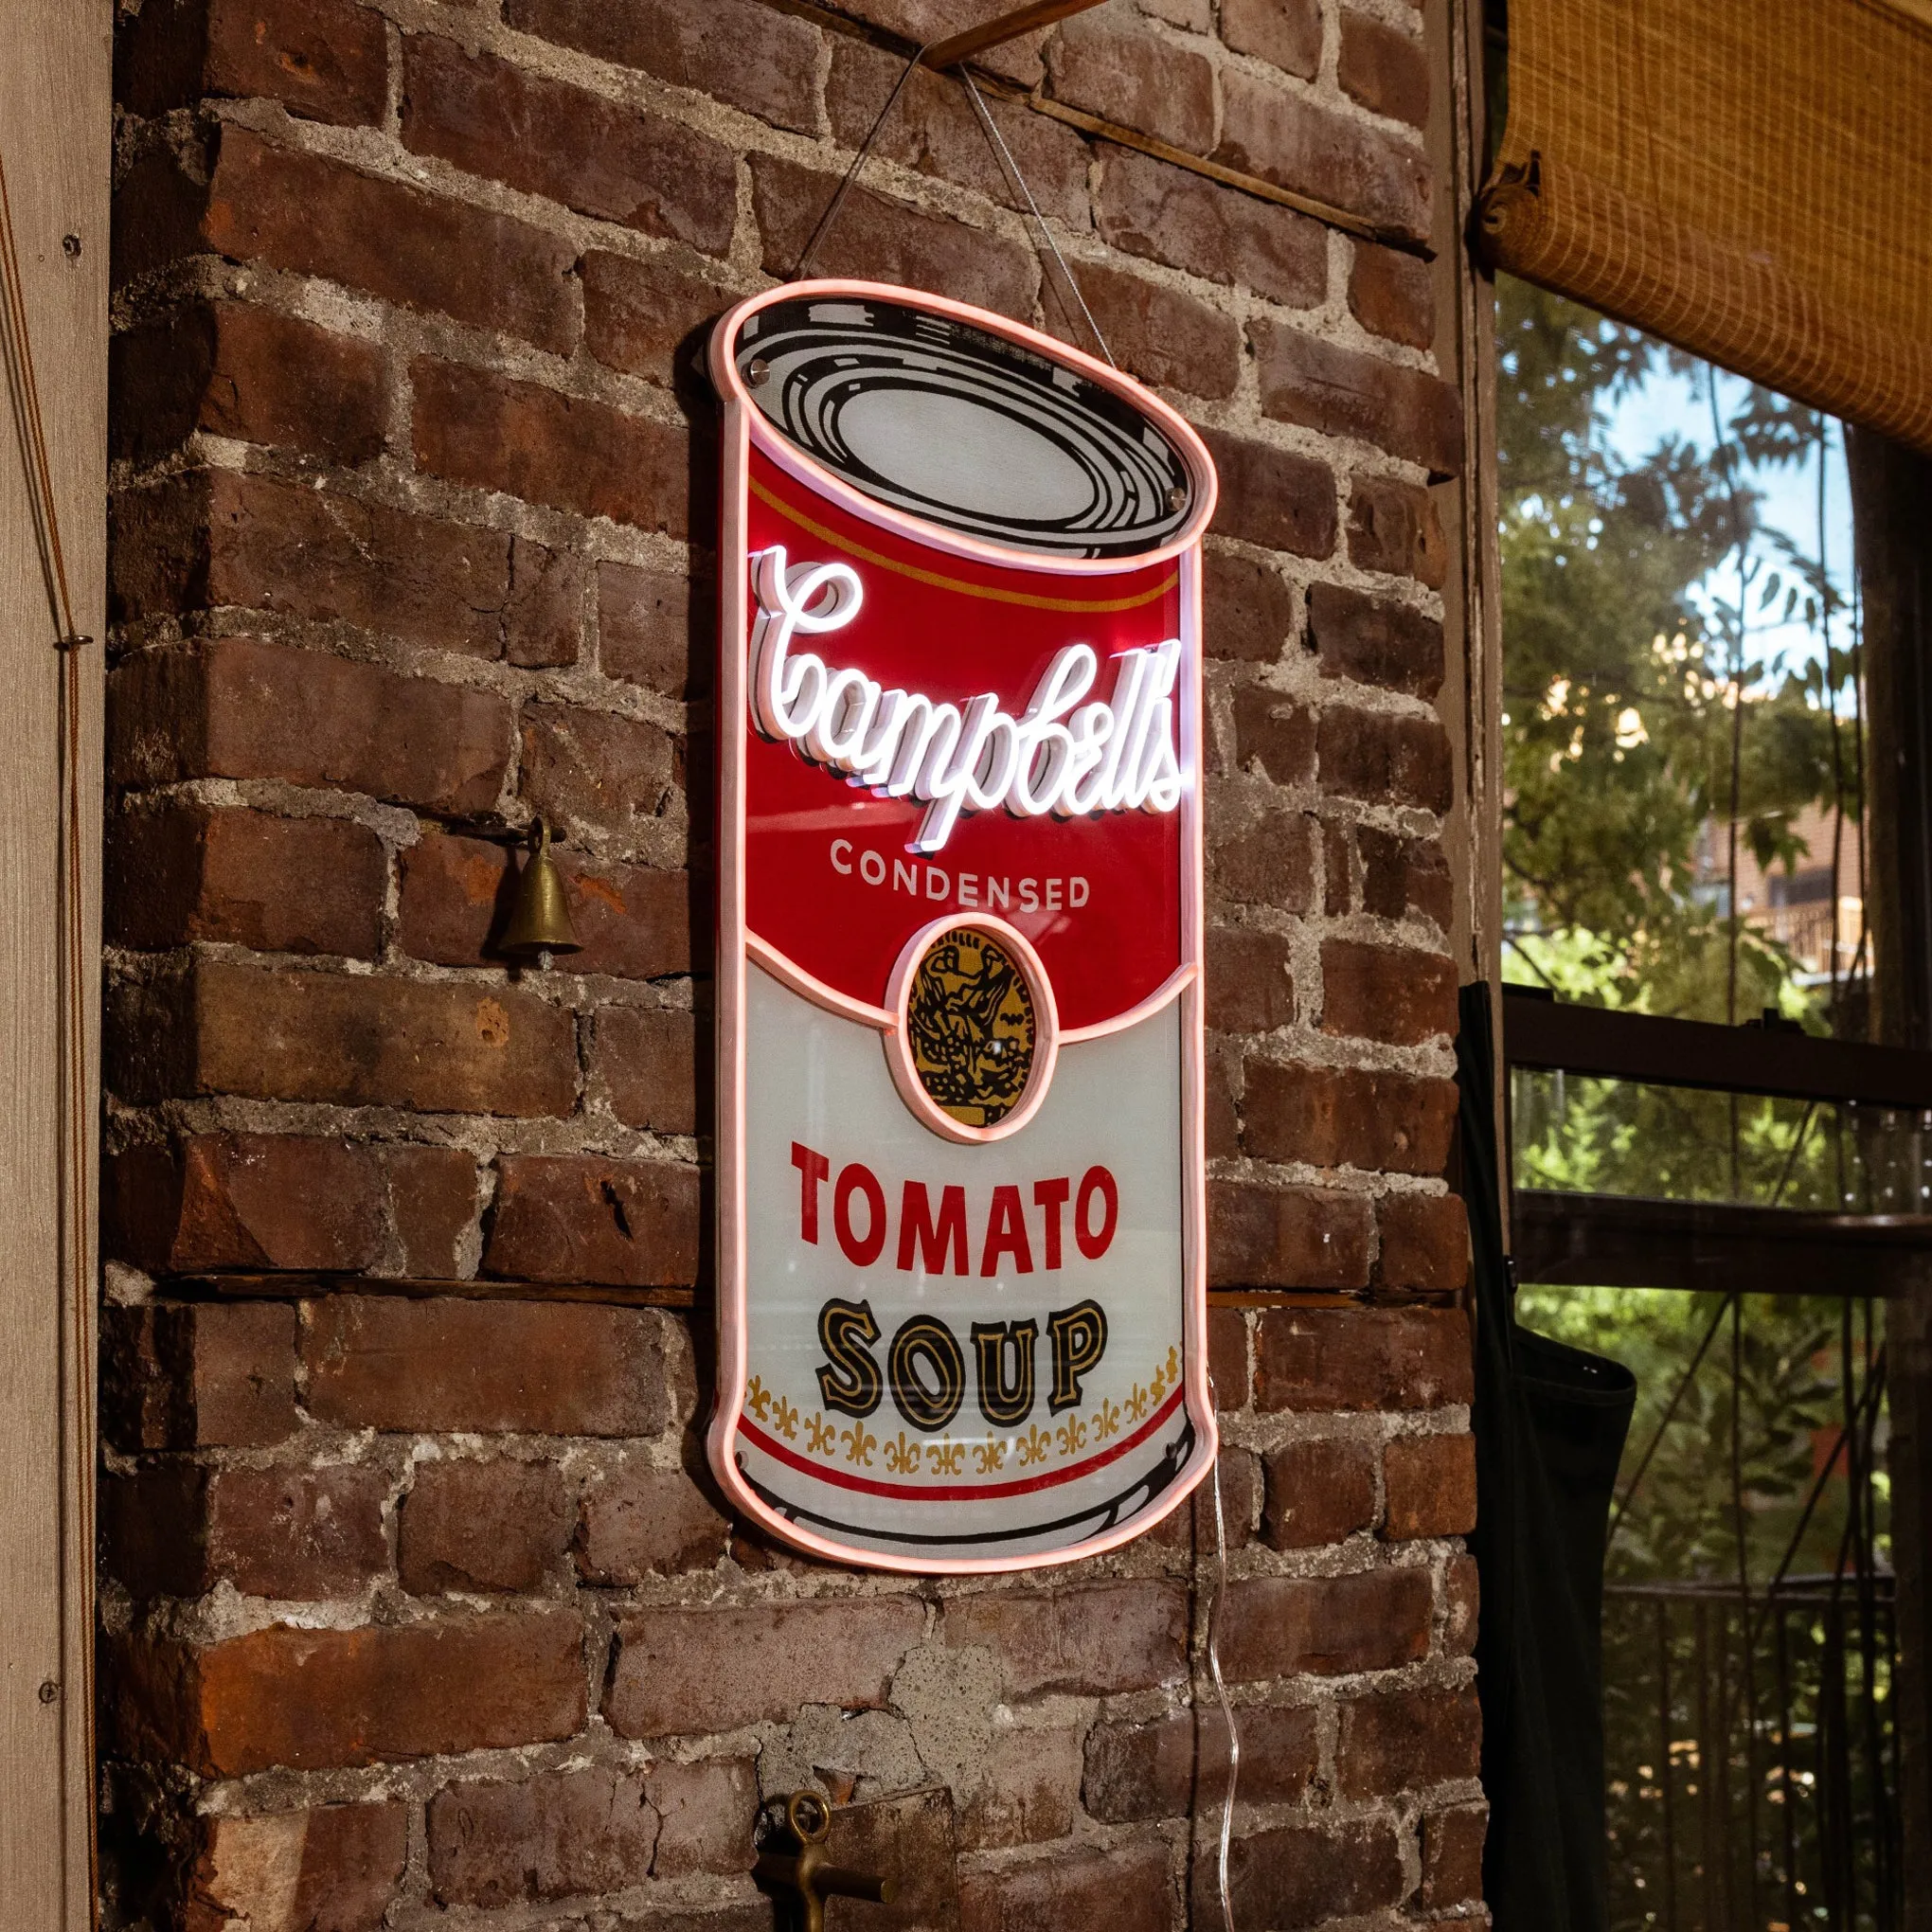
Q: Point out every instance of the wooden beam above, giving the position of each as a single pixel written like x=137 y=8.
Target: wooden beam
x=997 y=31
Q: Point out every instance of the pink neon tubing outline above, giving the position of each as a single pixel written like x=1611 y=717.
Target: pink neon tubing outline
x=742 y=424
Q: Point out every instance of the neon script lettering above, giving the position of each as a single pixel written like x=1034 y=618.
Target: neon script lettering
x=1060 y=755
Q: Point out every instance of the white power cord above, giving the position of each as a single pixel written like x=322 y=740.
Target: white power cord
x=1221 y=1683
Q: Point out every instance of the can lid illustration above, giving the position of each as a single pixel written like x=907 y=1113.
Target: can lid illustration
x=961 y=1233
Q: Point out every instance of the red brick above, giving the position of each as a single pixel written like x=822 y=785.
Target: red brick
x=180 y=871
x=1384 y=68
x=1165 y=337
x=1275 y=730
x=595 y=771
x=433 y=1202
x=1250 y=608
x=1362 y=1358
x=200 y=1375
x=555 y=1835
x=1285 y=1237
x=645 y=1059
x=1393 y=296
x=1346 y=1117
x=656 y=628
x=637 y=314
x=335 y=1869
x=1168 y=1768
x=1386 y=992
x=1393 y=526
x=1308 y=1874
x=544 y=617
x=1174 y=216
x=1375 y=643
x=500 y=1525
x=237 y=708
x=1342 y=392
x=878 y=240
x=1250 y=985
x=492 y=118
x=1224 y=1122
x=314 y=1699
x=529 y=1368
x=1266 y=860
x=708 y=1809
x=640 y=1521
x=688 y=1671
x=298 y=1534
x=356 y=1041
x=934 y=130
x=733 y=50
x=323 y=59
x=629 y=922
x=1452 y=1854
x=1029 y=1792
x=249 y=374
x=1321 y=1491
x=1227 y=1357
x=911 y=1843
x=423 y=251
x=1098 y=62
x=1325 y=1626
x=154 y=1530
x=1337 y=882
x=1430 y=1482
x=157 y=210
x=246 y=1201
x=1462 y=1600
x=1272 y=497
x=1408 y=1738
x=1128 y=1889
x=583 y=1218
x=1424 y=1243
x=920 y=22
x=1401 y=875
x=1285 y=139
x=1092 y=1640
x=526 y=441
x=1286 y=32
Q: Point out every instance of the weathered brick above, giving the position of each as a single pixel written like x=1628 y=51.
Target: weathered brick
x=645 y=1058
x=499 y=1525
x=695 y=1671
x=1384 y=68
x=640 y=1521
x=595 y=771
x=1197 y=16
x=1224 y=1122
x=1406 y=1738
x=1452 y=1854
x=1127 y=1890
x=1250 y=985
x=247 y=373
x=1275 y=730
x=181 y=871
x=1165 y=337
x=1286 y=32
x=656 y=628
x=637 y=314
x=1308 y=1874
x=1167 y=1768
x=1325 y=1626
x=314 y=1699
x=1285 y=139
x=323 y=59
x=629 y=922
x=423 y=251
x=1393 y=526
x=1343 y=392
x=490 y=117
x=1347 y=1116
x=1375 y=643
x=358 y=1041
x=1227 y=1357
x=298 y=1534
x=922 y=22
x=1393 y=296
x=433 y=1205
x=1424 y=1243
x=1337 y=868
x=335 y=1868
x=1174 y=216
x=563 y=1368
x=1092 y=1640
x=885 y=240
x=1461 y=1602
x=583 y=1218
x=1098 y=62
x=555 y=1835
x=237 y=708
x=1265 y=859
x=1272 y=497
x=544 y=615
x=1285 y=1237
x=708 y=1808
x=1321 y=1489
x=1361 y=1358
x=733 y=50
x=1029 y=1790
x=1401 y=875
x=1386 y=992
x=527 y=441
x=1250 y=608
x=1430 y=1485
x=198 y=1375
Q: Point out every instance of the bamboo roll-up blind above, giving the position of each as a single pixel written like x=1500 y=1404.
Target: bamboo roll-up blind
x=1750 y=179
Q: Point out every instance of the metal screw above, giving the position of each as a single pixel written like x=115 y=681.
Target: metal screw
x=71 y=244
x=48 y=1691
x=757 y=370
x=1177 y=498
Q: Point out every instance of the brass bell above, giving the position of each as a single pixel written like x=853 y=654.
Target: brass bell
x=539 y=913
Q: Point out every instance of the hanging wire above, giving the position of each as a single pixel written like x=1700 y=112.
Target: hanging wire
x=1220 y=1684
x=851 y=174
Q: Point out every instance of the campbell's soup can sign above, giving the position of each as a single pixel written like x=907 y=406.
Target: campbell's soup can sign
x=961 y=1240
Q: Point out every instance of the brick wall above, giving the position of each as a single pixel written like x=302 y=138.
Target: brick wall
x=416 y=1596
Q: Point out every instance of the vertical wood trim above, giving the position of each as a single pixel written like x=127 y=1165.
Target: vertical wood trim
x=55 y=134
